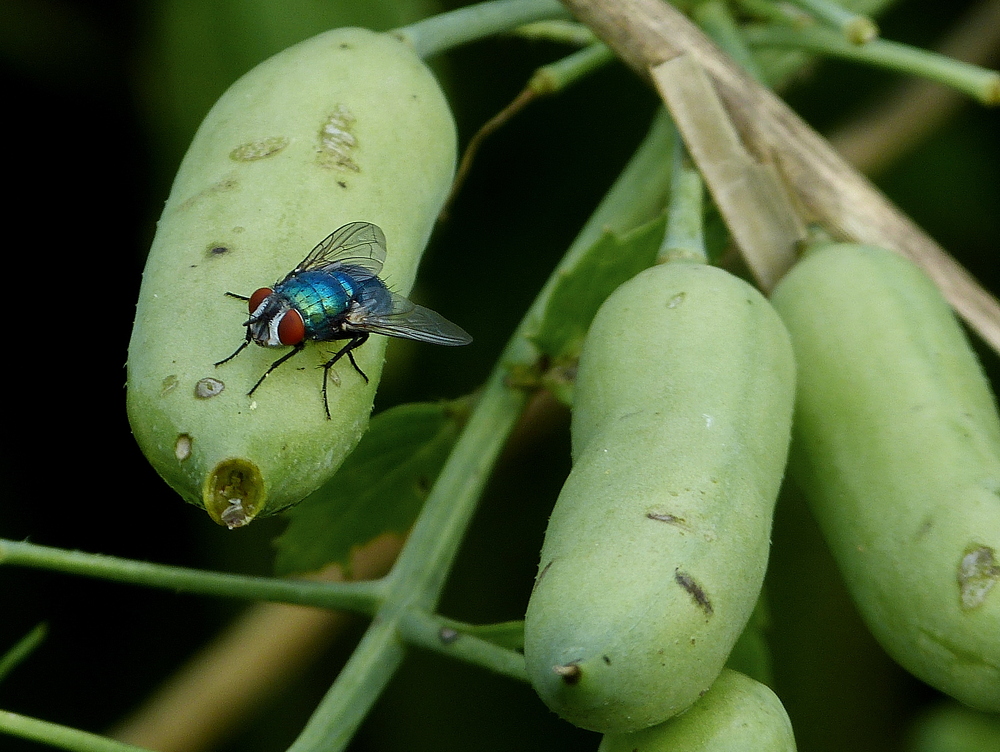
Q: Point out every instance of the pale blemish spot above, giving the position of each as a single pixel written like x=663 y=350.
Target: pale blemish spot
x=337 y=141
x=168 y=384
x=260 y=149
x=978 y=572
x=208 y=388
x=182 y=447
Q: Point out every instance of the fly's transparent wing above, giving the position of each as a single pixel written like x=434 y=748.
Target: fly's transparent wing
x=358 y=245
x=384 y=312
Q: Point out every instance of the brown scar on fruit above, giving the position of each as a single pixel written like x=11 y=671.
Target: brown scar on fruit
x=687 y=582
x=570 y=673
x=670 y=519
x=541 y=575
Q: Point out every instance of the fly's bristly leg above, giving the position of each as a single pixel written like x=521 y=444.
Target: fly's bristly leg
x=238 y=350
x=297 y=349
x=358 y=340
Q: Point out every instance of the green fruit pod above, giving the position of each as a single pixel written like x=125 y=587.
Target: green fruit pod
x=656 y=549
x=737 y=714
x=345 y=127
x=897 y=450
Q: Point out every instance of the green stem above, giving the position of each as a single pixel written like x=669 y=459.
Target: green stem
x=423 y=565
x=853 y=27
x=556 y=76
x=768 y=10
x=355 y=596
x=685 y=237
x=60 y=737
x=434 y=633
x=24 y=647
x=434 y=35
x=563 y=32
x=716 y=19
x=981 y=83
x=355 y=690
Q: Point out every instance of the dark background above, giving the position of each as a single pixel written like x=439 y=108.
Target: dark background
x=100 y=101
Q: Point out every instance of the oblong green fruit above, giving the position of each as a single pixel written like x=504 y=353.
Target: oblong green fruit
x=655 y=551
x=737 y=714
x=897 y=449
x=347 y=126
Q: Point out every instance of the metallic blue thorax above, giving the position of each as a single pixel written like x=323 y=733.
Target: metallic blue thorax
x=322 y=297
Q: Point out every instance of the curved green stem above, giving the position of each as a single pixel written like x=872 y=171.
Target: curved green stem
x=439 y=33
x=355 y=596
x=434 y=633
x=58 y=736
x=980 y=83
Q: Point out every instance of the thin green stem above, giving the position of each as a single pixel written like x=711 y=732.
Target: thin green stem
x=981 y=83
x=685 y=236
x=24 y=647
x=434 y=35
x=716 y=19
x=425 y=561
x=556 y=76
x=355 y=690
x=355 y=596
x=434 y=633
x=853 y=27
x=565 y=32
x=58 y=736
x=767 y=10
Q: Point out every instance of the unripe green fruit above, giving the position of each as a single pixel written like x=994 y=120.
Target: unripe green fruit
x=897 y=449
x=656 y=549
x=737 y=714
x=347 y=126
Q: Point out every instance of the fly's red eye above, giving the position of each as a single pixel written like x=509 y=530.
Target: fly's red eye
x=258 y=297
x=291 y=328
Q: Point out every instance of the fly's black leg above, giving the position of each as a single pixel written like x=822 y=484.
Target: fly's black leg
x=238 y=351
x=358 y=340
x=297 y=349
x=245 y=342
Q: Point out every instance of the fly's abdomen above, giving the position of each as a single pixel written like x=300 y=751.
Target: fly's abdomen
x=322 y=298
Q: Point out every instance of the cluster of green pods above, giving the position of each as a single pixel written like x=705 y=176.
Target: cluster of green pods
x=656 y=548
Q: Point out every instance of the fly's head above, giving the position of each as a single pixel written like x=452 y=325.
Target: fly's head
x=273 y=321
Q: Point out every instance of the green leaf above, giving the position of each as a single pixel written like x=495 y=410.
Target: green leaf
x=610 y=261
x=379 y=489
